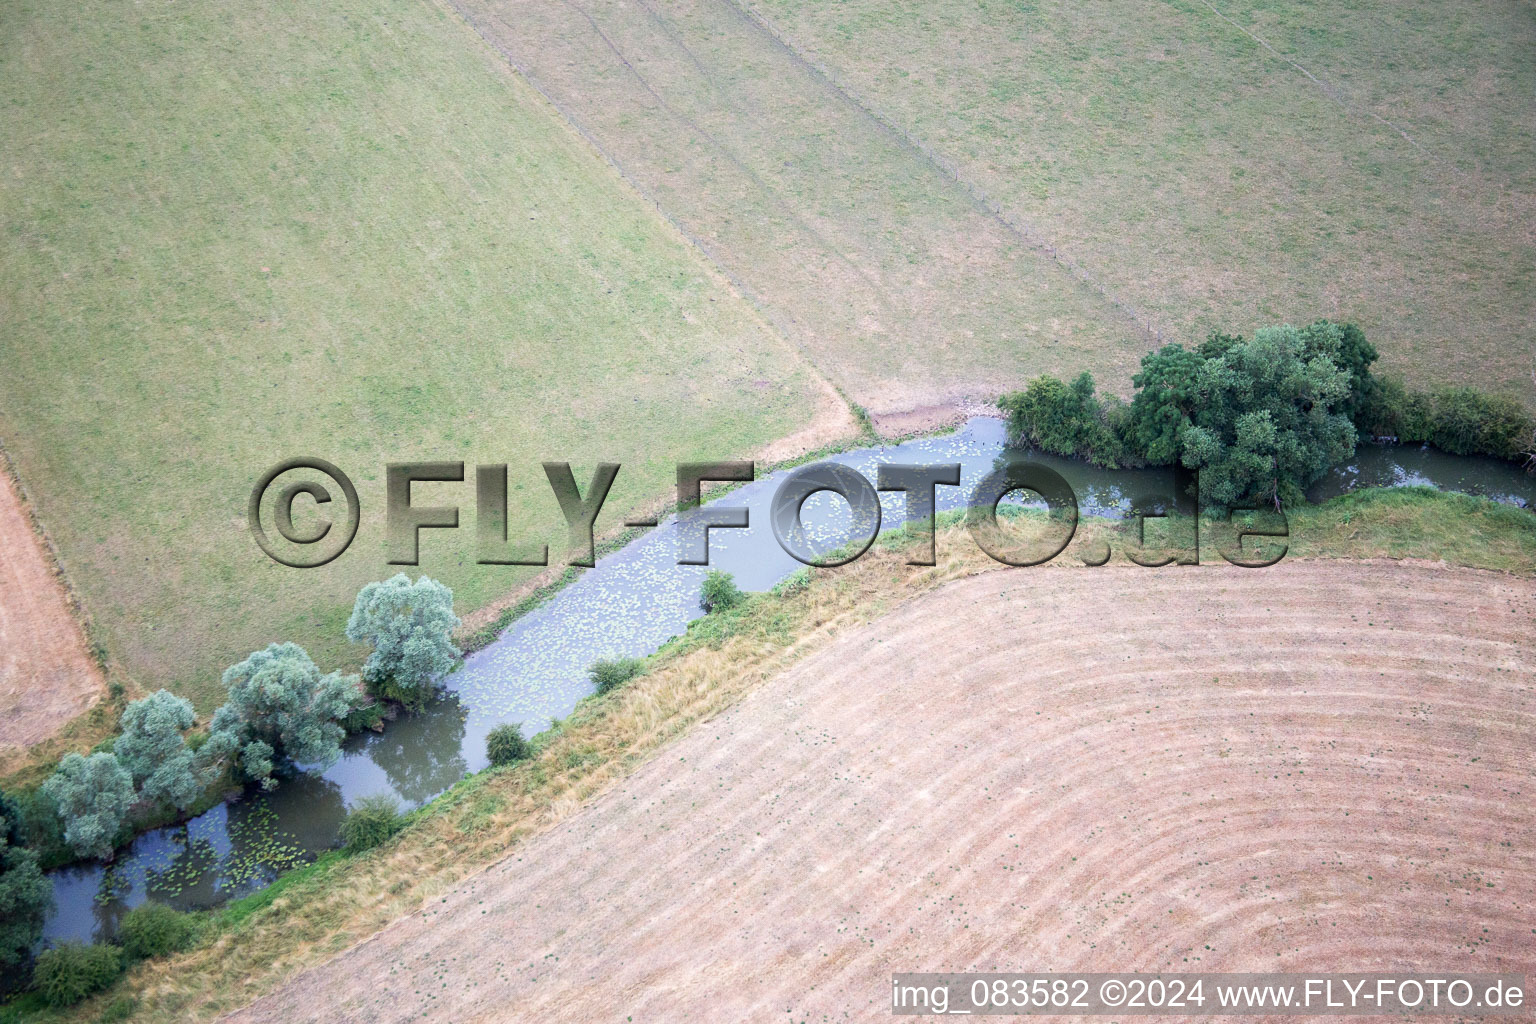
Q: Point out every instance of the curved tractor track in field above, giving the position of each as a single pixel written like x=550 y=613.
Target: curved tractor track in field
x=1319 y=766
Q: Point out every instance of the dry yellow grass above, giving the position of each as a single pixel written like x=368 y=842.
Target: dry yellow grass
x=51 y=683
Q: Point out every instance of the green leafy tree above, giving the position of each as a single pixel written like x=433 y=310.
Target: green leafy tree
x=1263 y=418
x=410 y=626
x=1354 y=355
x=92 y=796
x=1269 y=421
x=280 y=707
x=1063 y=419
x=1167 y=395
x=41 y=830
x=1216 y=344
x=154 y=751
x=12 y=829
x=25 y=895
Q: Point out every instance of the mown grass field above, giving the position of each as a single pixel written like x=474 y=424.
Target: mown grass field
x=889 y=275
x=1235 y=163
x=233 y=233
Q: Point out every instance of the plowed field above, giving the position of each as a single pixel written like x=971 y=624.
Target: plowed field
x=1318 y=766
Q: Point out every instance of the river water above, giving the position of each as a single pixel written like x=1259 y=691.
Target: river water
x=632 y=602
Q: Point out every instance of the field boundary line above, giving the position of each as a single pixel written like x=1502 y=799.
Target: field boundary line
x=745 y=290
x=1018 y=226
x=51 y=554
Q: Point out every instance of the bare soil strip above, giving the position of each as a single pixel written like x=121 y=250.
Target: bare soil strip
x=47 y=675
x=1321 y=765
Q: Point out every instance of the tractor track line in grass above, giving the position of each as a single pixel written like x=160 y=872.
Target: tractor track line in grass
x=746 y=290
x=1328 y=88
x=638 y=87
x=714 y=141
x=1015 y=225
x=816 y=432
x=1205 y=182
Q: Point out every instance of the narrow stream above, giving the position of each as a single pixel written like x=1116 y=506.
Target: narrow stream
x=632 y=602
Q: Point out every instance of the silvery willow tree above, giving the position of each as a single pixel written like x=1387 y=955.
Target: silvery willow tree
x=154 y=752
x=280 y=707
x=410 y=626
x=92 y=796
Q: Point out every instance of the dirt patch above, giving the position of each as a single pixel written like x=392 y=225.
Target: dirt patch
x=927 y=418
x=1318 y=766
x=47 y=675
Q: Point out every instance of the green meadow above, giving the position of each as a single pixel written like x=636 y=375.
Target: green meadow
x=234 y=233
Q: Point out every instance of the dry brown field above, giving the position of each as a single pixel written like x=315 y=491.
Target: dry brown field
x=1315 y=765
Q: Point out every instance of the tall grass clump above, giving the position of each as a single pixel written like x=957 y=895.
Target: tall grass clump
x=610 y=673
x=155 y=929
x=505 y=744
x=70 y=972
x=121 y=1008
x=796 y=582
x=372 y=822
x=719 y=592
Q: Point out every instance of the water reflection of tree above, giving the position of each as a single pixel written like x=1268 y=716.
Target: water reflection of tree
x=423 y=754
x=111 y=901
x=1096 y=489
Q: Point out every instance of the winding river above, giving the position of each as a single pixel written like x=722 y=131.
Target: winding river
x=630 y=604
